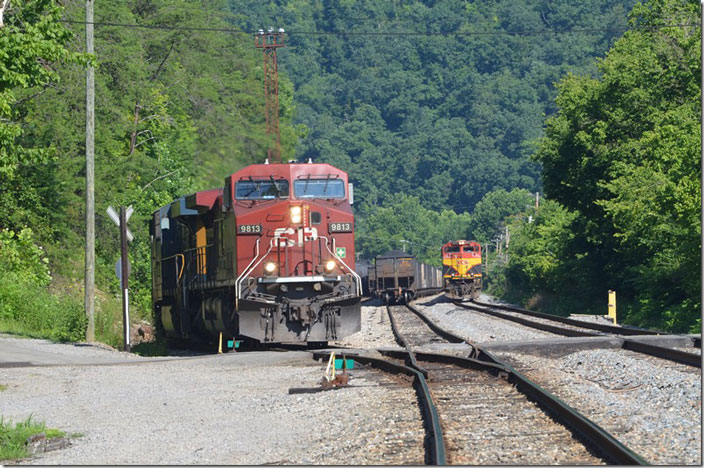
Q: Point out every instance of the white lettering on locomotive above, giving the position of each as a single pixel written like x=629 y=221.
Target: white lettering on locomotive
x=284 y=237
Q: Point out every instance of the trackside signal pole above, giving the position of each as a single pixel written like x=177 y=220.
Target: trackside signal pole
x=124 y=280
x=122 y=267
x=270 y=41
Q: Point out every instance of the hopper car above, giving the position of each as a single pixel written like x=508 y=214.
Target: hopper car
x=397 y=277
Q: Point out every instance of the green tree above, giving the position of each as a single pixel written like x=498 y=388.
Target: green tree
x=623 y=153
x=32 y=44
x=488 y=218
x=407 y=225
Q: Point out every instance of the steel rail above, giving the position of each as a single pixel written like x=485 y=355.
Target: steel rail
x=529 y=323
x=614 y=450
x=676 y=355
x=436 y=443
x=556 y=318
x=670 y=354
x=484 y=361
x=401 y=340
x=434 y=440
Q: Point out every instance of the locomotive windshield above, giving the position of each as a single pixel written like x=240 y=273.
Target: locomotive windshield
x=264 y=189
x=319 y=188
x=452 y=249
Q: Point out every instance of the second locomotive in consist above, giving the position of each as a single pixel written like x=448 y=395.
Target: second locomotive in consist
x=398 y=277
x=462 y=269
x=265 y=258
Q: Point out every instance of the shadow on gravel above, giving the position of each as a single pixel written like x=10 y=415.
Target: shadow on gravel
x=441 y=299
x=375 y=302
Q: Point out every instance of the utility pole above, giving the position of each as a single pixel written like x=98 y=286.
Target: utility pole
x=537 y=195
x=270 y=41
x=701 y=167
x=486 y=259
x=90 y=183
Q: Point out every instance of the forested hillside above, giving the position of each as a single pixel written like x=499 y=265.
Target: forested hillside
x=443 y=100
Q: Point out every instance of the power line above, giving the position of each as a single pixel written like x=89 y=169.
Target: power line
x=391 y=33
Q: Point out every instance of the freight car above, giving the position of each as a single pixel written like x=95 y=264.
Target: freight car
x=264 y=258
x=361 y=266
x=462 y=269
x=397 y=276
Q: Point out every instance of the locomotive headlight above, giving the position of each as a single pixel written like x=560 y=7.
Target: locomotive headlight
x=295 y=214
x=270 y=267
x=330 y=265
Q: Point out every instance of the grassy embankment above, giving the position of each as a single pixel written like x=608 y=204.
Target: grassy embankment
x=55 y=313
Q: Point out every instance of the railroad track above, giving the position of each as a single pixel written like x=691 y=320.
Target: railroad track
x=478 y=410
x=577 y=328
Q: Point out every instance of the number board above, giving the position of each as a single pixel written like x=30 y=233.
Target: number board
x=249 y=229
x=340 y=227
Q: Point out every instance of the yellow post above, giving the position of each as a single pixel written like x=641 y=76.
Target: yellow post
x=220 y=344
x=612 y=305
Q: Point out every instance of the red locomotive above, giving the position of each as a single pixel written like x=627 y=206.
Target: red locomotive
x=269 y=257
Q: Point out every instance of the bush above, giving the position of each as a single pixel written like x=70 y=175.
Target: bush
x=30 y=309
x=20 y=255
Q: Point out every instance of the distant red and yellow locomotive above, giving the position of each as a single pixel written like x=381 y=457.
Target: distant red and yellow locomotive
x=269 y=258
x=462 y=269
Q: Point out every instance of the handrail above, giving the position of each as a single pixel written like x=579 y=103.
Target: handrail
x=239 y=278
x=354 y=273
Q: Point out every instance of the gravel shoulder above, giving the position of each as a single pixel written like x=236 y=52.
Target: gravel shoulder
x=475 y=326
x=652 y=406
x=226 y=409
x=375 y=331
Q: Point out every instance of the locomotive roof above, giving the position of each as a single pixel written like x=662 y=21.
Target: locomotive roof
x=396 y=254
x=462 y=242
x=290 y=171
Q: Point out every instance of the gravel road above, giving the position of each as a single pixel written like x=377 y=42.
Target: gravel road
x=227 y=409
